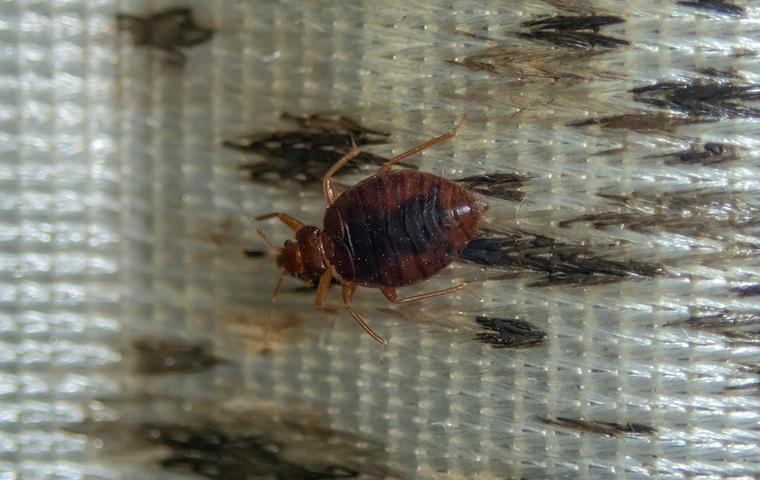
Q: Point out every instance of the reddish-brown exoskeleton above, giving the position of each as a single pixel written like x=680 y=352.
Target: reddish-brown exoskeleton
x=392 y=229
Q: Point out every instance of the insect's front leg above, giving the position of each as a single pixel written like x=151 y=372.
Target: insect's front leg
x=327 y=189
x=325 y=281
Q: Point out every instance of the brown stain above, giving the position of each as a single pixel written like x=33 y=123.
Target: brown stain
x=574 y=31
x=236 y=440
x=742 y=387
x=687 y=102
x=498 y=185
x=332 y=122
x=746 y=385
x=531 y=62
x=578 y=7
x=558 y=47
x=304 y=156
x=699 y=213
x=609 y=429
x=218 y=235
x=706 y=99
x=692 y=198
x=155 y=356
x=752 y=290
x=169 y=30
x=717 y=6
x=262 y=333
x=573 y=22
x=561 y=263
x=721 y=73
x=223 y=231
x=225 y=237
x=509 y=333
x=213 y=453
x=577 y=40
x=457 y=473
x=638 y=122
x=709 y=153
x=739 y=327
x=702 y=225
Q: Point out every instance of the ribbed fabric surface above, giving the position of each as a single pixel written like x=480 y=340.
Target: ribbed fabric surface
x=124 y=222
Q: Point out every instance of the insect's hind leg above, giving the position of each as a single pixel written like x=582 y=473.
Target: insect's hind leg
x=414 y=151
x=348 y=294
x=390 y=294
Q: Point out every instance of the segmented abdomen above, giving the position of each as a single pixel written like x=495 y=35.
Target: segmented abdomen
x=398 y=228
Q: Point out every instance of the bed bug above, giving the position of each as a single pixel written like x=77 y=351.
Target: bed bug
x=390 y=230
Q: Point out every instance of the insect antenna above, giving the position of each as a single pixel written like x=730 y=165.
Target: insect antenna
x=278 y=249
x=258 y=230
x=268 y=324
x=269 y=242
x=277 y=287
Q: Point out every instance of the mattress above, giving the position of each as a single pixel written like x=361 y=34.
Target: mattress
x=609 y=324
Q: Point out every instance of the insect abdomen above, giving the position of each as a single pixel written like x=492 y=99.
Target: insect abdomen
x=398 y=228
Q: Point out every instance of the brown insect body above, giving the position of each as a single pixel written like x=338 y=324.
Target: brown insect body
x=393 y=229
x=398 y=228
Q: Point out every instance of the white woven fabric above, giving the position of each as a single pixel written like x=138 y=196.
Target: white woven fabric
x=123 y=217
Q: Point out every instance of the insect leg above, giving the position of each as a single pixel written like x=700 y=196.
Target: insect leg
x=414 y=151
x=390 y=294
x=348 y=293
x=327 y=179
x=325 y=281
x=284 y=218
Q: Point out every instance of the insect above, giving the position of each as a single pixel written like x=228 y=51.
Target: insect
x=392 y=229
